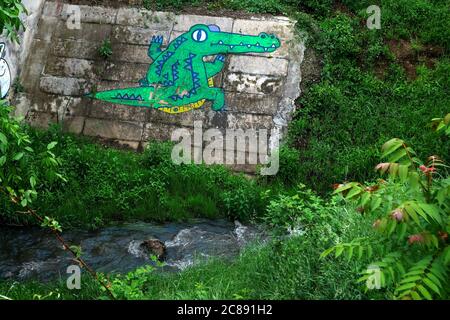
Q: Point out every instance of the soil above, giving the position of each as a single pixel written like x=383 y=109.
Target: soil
x=340 y=7
x=410 y=57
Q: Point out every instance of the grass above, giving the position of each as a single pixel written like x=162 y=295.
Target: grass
x=370 y=91
x=105 y=185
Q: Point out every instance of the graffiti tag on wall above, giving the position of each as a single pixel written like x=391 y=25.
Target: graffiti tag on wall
x=179 y=80
x=5 y=73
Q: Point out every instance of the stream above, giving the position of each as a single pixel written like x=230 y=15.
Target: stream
x=33 y=253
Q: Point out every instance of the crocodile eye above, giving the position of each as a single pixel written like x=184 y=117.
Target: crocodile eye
x=199 y=35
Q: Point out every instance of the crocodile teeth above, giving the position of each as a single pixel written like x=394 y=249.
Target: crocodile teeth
x=220 y=42
x=231 y=47
x=241 y=44
x=265 y=49
x=257 y=44
x=273 y=46
x=249 y=46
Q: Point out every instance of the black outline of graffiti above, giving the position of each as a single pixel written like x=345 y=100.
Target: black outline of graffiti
x=2 y=56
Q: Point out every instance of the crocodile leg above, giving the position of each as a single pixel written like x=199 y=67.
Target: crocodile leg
x=217 y=96
x=154 y=50
x=213 y=68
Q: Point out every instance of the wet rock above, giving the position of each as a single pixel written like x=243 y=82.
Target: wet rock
x=155 y=247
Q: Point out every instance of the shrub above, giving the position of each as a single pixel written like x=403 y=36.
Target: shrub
x=288 y=212
x=22 y=168
x=340 y=37
x=158 y=153
x=10 y=14
x=411 y=218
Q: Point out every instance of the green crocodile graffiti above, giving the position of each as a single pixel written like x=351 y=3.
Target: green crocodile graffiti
x=179 y=79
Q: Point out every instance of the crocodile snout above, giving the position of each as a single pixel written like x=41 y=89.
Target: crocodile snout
x=268 y=37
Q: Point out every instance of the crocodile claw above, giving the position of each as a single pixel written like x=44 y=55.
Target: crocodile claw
x=220 y=58
x=157 y=39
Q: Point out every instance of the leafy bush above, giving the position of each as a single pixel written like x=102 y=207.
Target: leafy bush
x=289 y=171
x=158 y=153
x=339 y=36
x=288 y=212
x=411 y=218
x=22 y=168
x=10 y=22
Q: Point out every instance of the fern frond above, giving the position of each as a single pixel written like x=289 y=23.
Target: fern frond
x=356 y=248
x=384 y=272
x=424 y=280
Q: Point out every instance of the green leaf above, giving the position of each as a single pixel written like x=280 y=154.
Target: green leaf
x=397 y=155
x=414 y=179
x=18 y=156
x=365 y=199
x=344 y=187
x=415 y=295
x=432 y=211
x=360 y=252
x=424 y=292
x=369 y=251
x=410 y=279
x=327 y=252
x=375 y=203
x=33 y=181
x=3 y=138
x=51 y=145
x=431 y=285
x=350 y=253
x=339 y=251
x=353 y=192
x=411 y=212
x=403 y=172
x=402 y=231
x=391 y=146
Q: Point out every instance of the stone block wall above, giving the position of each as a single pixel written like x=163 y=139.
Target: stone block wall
x=63 y=65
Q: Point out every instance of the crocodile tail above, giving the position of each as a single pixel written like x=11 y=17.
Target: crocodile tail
x=137 y=97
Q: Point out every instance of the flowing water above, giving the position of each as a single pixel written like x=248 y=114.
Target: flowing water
x=34 y=253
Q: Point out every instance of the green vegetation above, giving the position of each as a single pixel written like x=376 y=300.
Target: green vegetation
x=22 y=167
x=366 y=95
x=411 y=215
x=10 y=11
x=123 y=186
x=374 y=85
x=105 y=50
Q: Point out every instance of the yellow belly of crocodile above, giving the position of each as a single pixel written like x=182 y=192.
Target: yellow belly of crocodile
x=187 y=107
